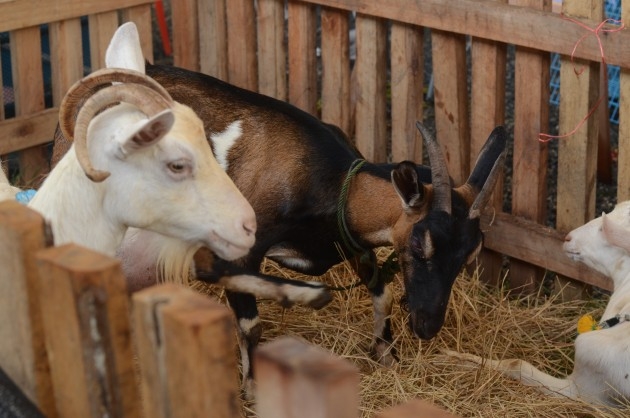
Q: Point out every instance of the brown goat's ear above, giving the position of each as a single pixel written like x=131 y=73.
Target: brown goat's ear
x=407 y=185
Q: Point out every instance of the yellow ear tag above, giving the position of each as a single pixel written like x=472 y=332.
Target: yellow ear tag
x=586 y=323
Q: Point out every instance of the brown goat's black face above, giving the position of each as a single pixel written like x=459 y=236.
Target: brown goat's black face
x=436 y=249
x=439 y=229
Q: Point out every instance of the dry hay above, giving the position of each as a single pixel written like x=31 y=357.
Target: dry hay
x=480 y=320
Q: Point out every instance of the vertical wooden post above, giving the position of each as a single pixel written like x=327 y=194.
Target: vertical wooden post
x=529 y=181
x=102 y=28
x=241 y=40
x=186 y=346
x=623 y=166
x=22 y=348
x=487 y=110
x=213 y=58
x=302 y=58
x=369 y=88
x=185 y=34
x=415 y=408
x=407 y=80
x=336 y=105
x=28 y=85
x=294 y=379
x=451 y=101
x=86 y=318
x=272 y=66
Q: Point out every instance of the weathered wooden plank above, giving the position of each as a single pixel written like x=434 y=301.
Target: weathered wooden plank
x=415 y=408
x=577 y=154
x=185 y=34
x=28 y=130
x=18 y=14
x=451 y=101
x=336 y=103
x=511 y=24
x=141 y=16
x=522 y=239
x=22 y=346
x=102 y=27
x=213 y=38
x=487 y=110
x=529 y=180
x=407 y=80
x=241 y=40
x=302 y=59
x=272 y=66
x=187 y=351
x=86 y=318
x=369 y=88
x=294 y=379
x=623 y=162
x=28 y=88
x=66 y=60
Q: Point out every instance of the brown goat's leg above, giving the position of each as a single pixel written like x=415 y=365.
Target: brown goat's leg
x=249 y=333
x=382 y=301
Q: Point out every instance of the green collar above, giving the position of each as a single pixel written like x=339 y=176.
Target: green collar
x=366 y=256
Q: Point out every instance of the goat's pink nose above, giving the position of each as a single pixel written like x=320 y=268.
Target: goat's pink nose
x=567 y=237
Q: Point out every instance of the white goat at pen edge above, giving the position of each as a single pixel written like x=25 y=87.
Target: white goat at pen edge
x=601 y=371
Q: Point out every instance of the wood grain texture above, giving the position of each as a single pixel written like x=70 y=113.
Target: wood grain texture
x=66 y=60
x=88 y=336
x=22 y=345
x=28 y=130
x=623 y=162
x=272 y=56
x=185 y=24
x=141 y=16
x=102 y=27
x=302 y=60
x=241 y=40
x=213 y=38
x=294 y=379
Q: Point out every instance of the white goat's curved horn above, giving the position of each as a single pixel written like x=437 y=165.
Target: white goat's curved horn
x=147 y=100
x=439 y=172
x=85 y=87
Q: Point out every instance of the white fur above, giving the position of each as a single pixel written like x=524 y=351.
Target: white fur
x=197 y=206
x=222 y=142
x=601 y=372
x=7 y=192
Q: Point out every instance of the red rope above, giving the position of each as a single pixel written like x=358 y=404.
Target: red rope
x=542 y=137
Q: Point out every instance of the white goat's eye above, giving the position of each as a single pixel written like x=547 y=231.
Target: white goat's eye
x=179 y=167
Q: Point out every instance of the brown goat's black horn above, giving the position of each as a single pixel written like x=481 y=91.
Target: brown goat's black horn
x=439 y=172
x=487 y=169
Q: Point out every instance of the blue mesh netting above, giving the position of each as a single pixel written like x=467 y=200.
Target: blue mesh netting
x=612 y=11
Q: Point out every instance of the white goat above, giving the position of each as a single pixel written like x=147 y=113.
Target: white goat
x=161 y=173
x=601 y=373
x=7 y=192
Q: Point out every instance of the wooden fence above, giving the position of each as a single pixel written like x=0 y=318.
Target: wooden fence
x=300 y=51
x=76 y=345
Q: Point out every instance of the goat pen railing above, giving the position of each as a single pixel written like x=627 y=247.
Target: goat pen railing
x=301 y=51
x=76 y=346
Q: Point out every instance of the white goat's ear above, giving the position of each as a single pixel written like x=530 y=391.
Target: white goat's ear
x=124 y=50
x=151 y=131
x=615 y=233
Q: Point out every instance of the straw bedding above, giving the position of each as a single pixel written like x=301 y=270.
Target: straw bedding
x=481 y=320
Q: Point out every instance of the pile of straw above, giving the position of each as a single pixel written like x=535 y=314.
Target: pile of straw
x=481 y=320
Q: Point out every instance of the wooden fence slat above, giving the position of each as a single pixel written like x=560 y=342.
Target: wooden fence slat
x=66 y=59
x=623 y=161
x=141 y=16
x=200 y=381
x=336 y=103
x=415 y=408
x=302 y=59
x=22 y=349
x=576 y=170
x=407 y=81
x=185 y=34
x=28 y=130
x=451 y=101
x=102 y=27
x=487 y=110
x=294 y=379
x=369 y=88
x=86 y=317
x=241 y=43
x=28 y=88
x=272 y=69
x=213 y=38
x=531 y=116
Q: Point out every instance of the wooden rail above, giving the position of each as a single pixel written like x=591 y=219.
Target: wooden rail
x=77 y=345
